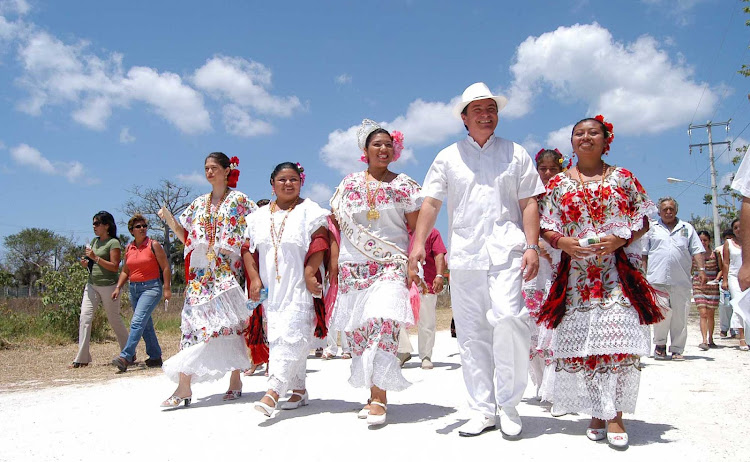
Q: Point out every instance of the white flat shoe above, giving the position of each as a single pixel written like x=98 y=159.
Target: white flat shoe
x=596 y=434
x=555 y=413
x=364 y=412
x=617 y=440
x=373 y=419
x=510 y=422
x=477 y=426
x=264 y=408
x=289 y=405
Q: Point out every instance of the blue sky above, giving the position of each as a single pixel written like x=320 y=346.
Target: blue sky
x=98 y=97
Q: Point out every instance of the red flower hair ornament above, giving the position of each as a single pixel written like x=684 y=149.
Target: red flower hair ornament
x=234 y=172
x=609 y=134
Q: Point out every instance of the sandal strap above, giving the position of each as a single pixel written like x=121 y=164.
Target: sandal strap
x=301 y=395
x=379 y=404
x=275 y=402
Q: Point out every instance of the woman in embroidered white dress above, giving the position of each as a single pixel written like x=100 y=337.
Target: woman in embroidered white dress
x=214 y=314
x=600 y=303
x=282 y=233
x=372 y=209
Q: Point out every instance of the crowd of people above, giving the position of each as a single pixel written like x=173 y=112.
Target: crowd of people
x=557 y=273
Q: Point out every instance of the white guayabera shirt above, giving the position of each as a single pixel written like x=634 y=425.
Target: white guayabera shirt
x=481 y=187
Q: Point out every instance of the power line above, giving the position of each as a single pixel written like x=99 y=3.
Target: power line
x=719 y=157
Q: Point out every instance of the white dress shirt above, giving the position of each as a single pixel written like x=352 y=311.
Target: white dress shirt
x=670 y=253
x=482 y=187
x=741 y=182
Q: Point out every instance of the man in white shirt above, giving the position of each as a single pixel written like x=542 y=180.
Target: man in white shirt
x=670 y=246
x=490 y=185
x=741 y=184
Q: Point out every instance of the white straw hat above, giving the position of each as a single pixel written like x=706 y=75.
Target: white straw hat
x=476 y=92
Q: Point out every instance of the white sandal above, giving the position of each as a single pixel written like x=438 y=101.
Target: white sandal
x=373 y=419
x=264 y=408
x=364 y=412
x=302 y=401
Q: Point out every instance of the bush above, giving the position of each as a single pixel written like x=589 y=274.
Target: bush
x=62 y=300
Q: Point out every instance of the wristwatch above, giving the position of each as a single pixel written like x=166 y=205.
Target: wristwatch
x=532 y=246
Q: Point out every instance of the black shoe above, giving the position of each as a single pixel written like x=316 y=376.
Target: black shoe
x=153 y=362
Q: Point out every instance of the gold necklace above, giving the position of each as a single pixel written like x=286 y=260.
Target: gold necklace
x=211 y=223
x=373 y=214
x=276 y=236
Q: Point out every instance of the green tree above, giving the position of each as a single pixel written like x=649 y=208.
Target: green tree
x=32 y=250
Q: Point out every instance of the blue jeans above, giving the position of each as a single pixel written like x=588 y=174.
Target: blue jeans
x=144 y=296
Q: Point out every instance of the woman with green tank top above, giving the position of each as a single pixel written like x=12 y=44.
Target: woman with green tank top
x=103 y=262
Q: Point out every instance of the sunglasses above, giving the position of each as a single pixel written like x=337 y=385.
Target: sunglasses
x=97 y=223
x=140 y=226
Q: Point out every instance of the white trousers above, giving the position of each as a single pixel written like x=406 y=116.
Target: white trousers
x=493 y=334
x=725 y=311
x=332 y=346
x=674 y=323
x=426 y=327
x=737 y=322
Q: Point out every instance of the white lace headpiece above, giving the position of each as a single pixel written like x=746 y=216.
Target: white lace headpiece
x=368 y=126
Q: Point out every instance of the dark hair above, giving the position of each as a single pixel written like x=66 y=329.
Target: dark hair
x=727 y=233
x=106 y=218
x=376 y=132
x=262 y=202
x=733 y=222
x=549 y=153
x=604 y=127
x=284 y=166
x=703 y=232
x=220 y=158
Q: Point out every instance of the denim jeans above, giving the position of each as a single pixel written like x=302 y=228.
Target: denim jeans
x=144 y=296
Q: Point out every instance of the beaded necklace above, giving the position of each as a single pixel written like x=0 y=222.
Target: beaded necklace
x=211 y=223
x=276 y=236
x=373 y=214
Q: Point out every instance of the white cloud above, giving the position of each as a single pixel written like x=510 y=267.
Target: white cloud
x=319 y=193
x=343 y=79
x=125 y=136
x=635 y=85
x=725 y=180
x=245 y=83
x=26 y=156
x=560 y=139
x=57 y=73
x=192 y=178
x=531 y=145
x=424 y=124
x=19 y=7
x=238 y=122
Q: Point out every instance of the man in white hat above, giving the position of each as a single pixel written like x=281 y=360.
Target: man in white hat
x=490 y=185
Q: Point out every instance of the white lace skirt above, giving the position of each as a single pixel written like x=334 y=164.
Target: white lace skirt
x=210 y=360
x=372 y=318
x=223 y=314
x=290 y=332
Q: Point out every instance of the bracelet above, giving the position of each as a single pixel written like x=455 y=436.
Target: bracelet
x=701 y=269
x=440 y=276
x=554 y=239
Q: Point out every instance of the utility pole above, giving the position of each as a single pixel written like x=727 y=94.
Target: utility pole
x=714 y=191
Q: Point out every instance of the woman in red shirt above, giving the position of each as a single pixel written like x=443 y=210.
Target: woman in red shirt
x=145 y=263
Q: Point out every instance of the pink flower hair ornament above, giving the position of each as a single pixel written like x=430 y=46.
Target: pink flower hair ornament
x=301 y=171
